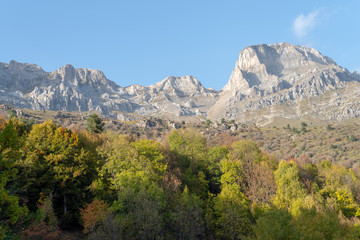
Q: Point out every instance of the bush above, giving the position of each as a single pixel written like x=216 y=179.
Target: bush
x=41 y=231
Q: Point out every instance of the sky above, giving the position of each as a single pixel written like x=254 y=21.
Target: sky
x=142 y=42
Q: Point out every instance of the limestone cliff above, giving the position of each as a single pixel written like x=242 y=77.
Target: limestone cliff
x=278 y=74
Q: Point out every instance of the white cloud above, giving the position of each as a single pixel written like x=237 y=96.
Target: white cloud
x=303 y=24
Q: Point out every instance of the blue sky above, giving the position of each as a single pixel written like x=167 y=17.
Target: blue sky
x=142 y=42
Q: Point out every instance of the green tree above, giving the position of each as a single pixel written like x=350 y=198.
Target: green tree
x=134 y=171
x=276 y=224
x=140 y=211
x=127 y=163
x=95 y=124
x=314 y=225
x=188 y=222
x=190 y=150
x=231 y=172
x=213 y=158
x=208 y=123
x=290 y=192
x=11 y=113
x=191 y=145
x=231 y=213
x=10 y=211
x=246 y=151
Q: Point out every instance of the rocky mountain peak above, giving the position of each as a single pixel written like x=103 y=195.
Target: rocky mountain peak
x=264 y=66
x=20 y=76
x=179 y=86
x=23 y=70
x=269 y=75
x=67 y=72
x=83 y=77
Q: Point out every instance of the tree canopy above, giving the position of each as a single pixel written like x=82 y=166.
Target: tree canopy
x=180 y=186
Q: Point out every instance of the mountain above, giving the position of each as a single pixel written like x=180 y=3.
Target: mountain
x=269 y=83
x=287 y=81
x=69 y=89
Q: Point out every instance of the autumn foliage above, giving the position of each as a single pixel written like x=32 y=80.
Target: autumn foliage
x=94 y=214
x=183 y=186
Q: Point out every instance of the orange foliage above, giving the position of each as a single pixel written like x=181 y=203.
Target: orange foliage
x=2 y=121
x=223 y=139
x=41 y=231
x=94 y=214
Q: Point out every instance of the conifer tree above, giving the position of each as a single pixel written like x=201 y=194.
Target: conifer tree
x=95 y=124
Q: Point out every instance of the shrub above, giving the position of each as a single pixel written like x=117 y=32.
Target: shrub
x=93 y=215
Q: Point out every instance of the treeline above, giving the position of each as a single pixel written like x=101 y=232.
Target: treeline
x=120 y=187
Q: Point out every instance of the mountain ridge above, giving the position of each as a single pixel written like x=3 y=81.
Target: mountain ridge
x=83 y=89
x=264 y=76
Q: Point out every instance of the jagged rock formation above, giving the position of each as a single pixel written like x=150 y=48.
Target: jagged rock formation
x=268 y=82
x=267 y=77
x=70 y=89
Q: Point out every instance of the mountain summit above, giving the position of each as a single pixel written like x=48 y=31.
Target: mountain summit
x=269 y=68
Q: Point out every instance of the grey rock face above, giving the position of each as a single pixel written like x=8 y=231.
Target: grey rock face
x=268 y=82
x=268 y=75
x=70 y=89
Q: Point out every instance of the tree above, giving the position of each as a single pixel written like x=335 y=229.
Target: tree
x=232 y=213
x=246 y=151
x=45 y=224
x=140 y=211
x=208 y=122
x=313 y=225
x=231 y=218
x=290 y=192
x=243 y=156
x=95 y=124
x=55 y=160
x=190 y=144
x=10 y=211
x=276 y=224
x=131 y=164
x=340 y=186
x=134 y=171
x=261 y=184
x=189 y=220
x=94 y=214
x=213 y=158
x=190 y=150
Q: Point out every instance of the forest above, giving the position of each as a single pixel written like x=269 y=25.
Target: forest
x=55 y=180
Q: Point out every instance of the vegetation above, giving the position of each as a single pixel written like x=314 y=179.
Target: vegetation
x=180 y=185
x=95 y=124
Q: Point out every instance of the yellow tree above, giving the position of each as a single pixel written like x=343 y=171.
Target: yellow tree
x=134 y=171
x=58 y=162
x=290 y=193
